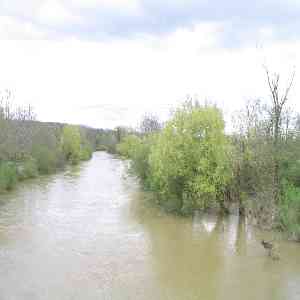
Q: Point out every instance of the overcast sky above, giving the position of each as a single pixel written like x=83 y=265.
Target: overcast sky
x=105 y=63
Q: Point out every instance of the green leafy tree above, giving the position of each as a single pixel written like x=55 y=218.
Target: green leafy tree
x=71 y=143
x=189 y=162
x=128 y=146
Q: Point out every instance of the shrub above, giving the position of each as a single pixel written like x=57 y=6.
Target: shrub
x=190 y=161
x=140 y=162
x=128 y=146
x=46 y=159
x=71 y=143
x=8 y=175
x=289 y=210
x=291 y=172
x=27 y=169
x=86 y=152
x=101 y=148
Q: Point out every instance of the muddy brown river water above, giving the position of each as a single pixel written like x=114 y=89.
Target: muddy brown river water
x=89 y=233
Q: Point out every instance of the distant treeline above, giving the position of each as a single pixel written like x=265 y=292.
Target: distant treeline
x=29 y=147
x=191 y=164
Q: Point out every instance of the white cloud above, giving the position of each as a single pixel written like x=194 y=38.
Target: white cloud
x=104 y=84
x=53 y=12
x=15 y=8
x=13 y=29
x=199 y=37
x=132 y=6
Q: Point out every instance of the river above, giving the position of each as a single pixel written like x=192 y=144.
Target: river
x=89 y=233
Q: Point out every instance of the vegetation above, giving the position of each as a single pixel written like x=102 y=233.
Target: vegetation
x=106 y=140
x=71 y=143
x=29 y=148
x=289 y=211
x=190 y=164
x=187 y=162
x=8 y=175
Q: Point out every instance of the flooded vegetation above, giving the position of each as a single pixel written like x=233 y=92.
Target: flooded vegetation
x=149 y=150
x=90 y=232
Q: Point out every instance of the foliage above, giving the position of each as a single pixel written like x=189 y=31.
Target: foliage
x=128 y=146
x=27 y=169
x=106 y=140
x=29 y=147
x=138 y=150
x=86 y=149
x=260 y=162
x=46 y=159
x=86 y=152
x=8 y=175
x=141 y=159
x=289 y=210
x=71 y=143
x=189 y=162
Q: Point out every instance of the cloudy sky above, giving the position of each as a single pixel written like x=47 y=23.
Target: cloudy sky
x=106 y=62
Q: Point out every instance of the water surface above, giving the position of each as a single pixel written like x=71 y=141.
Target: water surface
x=90 y=233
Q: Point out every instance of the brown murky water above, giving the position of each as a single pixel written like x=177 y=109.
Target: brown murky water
x=89 y=233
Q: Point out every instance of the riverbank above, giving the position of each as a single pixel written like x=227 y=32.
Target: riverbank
x=40 y=149
x=13 y=172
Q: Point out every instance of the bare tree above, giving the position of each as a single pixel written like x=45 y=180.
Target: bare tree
x=150 y=124
x=279 y=99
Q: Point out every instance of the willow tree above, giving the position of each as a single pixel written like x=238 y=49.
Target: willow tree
x=189 y=162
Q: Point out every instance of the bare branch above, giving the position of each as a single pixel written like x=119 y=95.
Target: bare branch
x=285 y=96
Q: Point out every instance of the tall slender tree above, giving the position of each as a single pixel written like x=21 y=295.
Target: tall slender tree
x=279 y=99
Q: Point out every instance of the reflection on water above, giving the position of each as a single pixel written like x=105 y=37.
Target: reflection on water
x=90 y=233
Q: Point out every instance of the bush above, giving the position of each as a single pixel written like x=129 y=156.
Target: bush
x=46 y=160
x=27 y=169
x=8 y=175
x=138 y=151
x=140 y=162
x=101 y=148
x=190 y=160
x=86 y=152
x=71 y=143
x=291 y=172
x=289 y=210
x=128 y=146
x=187 y=163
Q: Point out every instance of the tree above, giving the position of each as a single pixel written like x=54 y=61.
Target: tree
x=150 y=124
x=190 y=160
x=128 y=146
x=279 y=100
x=71 y=143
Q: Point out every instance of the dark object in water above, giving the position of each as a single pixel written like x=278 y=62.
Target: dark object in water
x=270 y=247
x=267 y=245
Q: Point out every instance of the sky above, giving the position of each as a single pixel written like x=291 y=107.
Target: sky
x=105 y=63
